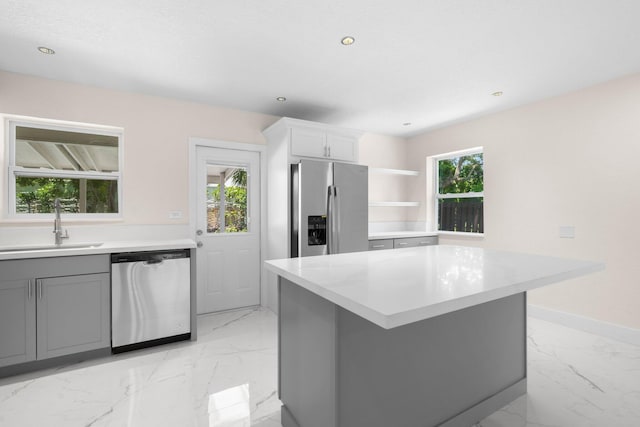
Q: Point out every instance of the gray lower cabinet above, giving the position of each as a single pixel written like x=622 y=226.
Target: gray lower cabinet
x=379 y=244
x=412 y=242
x=73 y=314
x=405 y=242
x=53 y=307
x=17 y=322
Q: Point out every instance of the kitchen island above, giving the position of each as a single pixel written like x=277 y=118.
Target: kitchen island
x=427 y=336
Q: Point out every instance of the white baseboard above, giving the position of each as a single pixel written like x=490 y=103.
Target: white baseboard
x=586 y=324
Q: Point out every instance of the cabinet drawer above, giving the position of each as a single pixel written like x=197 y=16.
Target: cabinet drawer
x=411 y=242
x=376 y=245
x=54 y=266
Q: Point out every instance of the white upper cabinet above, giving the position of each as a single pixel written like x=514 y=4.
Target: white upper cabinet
x=341 y=147
x=307 y=142
x=288 y=141
x=315 y=140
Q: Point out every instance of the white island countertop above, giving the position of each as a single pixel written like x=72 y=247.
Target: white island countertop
x=402 y=286
x=70 y=248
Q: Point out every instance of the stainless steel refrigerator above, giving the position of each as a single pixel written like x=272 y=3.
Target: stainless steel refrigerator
x=329 y=208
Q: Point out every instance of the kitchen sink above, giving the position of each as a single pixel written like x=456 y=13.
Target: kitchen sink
x=50 y=247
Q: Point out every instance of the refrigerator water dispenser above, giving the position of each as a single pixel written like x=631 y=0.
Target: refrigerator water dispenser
x=317 y=230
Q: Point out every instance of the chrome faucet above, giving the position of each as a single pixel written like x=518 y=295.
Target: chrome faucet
x=57 y=224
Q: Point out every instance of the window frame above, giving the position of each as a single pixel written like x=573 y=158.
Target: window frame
x=11 y=122
x=436 y=185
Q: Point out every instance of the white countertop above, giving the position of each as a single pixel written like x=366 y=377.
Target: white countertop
x=401 y=234
x=91 y=248
x=402 y=286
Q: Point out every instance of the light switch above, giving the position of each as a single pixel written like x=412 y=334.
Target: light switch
x=175 y=214
x=567 y=232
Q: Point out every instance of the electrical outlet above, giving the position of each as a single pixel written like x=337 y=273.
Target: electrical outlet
x=567 y=232
x=175 y=214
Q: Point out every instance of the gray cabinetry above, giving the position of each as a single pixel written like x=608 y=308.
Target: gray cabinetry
x=405 y=242
x=379 y=244
x=52 y=307
x=17 y=321
x=411 y=242
x=72 y=314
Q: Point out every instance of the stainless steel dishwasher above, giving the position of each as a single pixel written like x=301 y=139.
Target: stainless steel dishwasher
x=150 y=298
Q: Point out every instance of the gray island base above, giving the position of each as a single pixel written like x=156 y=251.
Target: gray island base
x=337 y=369
x=417 y=337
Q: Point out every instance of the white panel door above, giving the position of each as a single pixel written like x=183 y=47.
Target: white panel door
x=228 y=228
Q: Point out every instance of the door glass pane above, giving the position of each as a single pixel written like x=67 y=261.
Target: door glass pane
x=226 y=199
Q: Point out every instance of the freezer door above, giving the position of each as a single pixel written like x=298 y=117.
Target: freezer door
x=311 y=181
x=352 y=207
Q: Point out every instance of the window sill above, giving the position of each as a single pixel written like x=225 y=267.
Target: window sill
x=460 y=234
x=48 y=218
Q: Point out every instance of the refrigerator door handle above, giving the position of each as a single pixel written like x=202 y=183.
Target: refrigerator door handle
x=333 y=216
x=330 y=219
x=337 y=214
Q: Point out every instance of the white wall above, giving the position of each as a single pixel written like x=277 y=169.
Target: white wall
x=156 y=132
x=569 y=160
x=378 y=151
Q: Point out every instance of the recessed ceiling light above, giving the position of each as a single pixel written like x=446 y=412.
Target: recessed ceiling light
x=46 y=50
x=348 y=40
x=281 y=99
x=498 y=93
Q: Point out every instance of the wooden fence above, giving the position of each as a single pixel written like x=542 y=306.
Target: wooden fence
x=465 y=215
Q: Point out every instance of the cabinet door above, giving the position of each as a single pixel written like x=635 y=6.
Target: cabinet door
x=308 y=142
x=17 y=322
x=342 y=148
x=73 y=314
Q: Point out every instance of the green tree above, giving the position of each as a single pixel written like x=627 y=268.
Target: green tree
x=463 y=174
x=239 y=177
x=39 y=193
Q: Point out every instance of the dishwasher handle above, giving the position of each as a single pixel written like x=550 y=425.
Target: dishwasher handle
x=150 y=257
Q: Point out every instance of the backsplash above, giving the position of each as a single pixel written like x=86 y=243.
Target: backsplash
x=391 y=226
x=23 y=235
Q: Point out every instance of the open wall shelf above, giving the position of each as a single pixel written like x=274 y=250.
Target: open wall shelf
x=385 y=171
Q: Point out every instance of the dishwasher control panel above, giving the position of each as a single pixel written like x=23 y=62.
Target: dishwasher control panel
x=149 y=256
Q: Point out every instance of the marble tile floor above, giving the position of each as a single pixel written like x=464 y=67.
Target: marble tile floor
x=228 y=379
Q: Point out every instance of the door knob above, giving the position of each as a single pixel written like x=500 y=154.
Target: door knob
x=199 y=244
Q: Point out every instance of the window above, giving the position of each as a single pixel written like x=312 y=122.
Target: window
x=77 y=163
x=459 y=191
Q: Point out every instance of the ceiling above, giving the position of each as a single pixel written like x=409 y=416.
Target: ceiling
x=424 y=62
